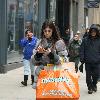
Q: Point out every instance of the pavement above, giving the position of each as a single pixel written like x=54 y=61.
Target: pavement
x=11 y=88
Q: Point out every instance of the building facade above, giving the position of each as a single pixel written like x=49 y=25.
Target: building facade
x=30 y=14
x=92 y=12
x=94 y=15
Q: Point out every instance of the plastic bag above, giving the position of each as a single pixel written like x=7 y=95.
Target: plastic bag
x=57 y=85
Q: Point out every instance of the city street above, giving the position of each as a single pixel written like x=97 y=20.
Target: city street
x=66 y=28
x=11 y=89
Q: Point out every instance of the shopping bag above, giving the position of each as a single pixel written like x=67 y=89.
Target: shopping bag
x=57 y=85
x=70 y=66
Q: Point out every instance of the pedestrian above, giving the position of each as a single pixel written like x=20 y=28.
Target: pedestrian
x=28 y=43
x=73 y=50
x=90 y=55
x=98 y=25
x=50 y=49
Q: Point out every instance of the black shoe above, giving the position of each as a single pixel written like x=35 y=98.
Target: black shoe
x=94 y=88
x=90 y=91
x=25 y=80
x=24 y=83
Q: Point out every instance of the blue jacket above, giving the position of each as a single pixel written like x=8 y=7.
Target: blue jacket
x=28 y=47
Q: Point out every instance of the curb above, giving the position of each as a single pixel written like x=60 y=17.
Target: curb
x=10 y=66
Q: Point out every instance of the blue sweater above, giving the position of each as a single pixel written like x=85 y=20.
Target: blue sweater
x=28 y=47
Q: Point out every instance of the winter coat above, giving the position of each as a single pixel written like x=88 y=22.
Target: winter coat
x=90 y=50
x=74 y=47
x=59 y=49
x=28 y=46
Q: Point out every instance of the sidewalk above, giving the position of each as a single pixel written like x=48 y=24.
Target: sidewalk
x=11 y=88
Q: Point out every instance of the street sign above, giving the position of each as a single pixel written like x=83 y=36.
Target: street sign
x=93 y=4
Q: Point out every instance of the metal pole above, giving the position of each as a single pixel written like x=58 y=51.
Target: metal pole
x=42 y=13
x=3 y=35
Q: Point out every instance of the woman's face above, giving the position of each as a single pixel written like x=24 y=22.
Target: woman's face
x=76 y=37
x=47 y=32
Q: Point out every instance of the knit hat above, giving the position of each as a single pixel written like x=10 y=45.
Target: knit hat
x=78 y=32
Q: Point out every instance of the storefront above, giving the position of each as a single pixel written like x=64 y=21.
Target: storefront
x=30 y=14
x=63 y=15
x=20 y=17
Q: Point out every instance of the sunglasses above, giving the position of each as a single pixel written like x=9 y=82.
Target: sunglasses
x=47 y=31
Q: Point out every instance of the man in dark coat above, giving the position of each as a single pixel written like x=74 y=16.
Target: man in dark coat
x=90 y=55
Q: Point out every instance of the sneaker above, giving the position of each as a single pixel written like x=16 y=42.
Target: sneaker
x=34 y=85
x=90 y=91
x=24 y=83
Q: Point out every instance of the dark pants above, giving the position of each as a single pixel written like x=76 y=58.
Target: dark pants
x=92 y=74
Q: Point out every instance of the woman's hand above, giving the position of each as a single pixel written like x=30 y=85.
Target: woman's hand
x=40 y=49
x=47 y=51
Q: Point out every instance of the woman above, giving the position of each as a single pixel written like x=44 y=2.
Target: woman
x=74 y=47
x=49 y=50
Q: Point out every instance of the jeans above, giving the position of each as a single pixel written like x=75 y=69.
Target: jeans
x=28 y=67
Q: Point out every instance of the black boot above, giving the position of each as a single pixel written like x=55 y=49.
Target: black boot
x=32 y=79
x=25 y=80
x=90 y=91
x=94 y=88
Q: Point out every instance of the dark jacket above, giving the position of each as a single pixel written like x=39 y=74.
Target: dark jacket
x=90 y=50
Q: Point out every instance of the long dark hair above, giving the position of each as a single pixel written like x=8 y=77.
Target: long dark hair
x=55 y=33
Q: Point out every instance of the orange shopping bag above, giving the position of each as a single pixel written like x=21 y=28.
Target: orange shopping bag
x=57 y=85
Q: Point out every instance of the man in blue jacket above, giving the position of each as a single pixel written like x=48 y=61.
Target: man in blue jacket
x=28 y=43
x=90 y=55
